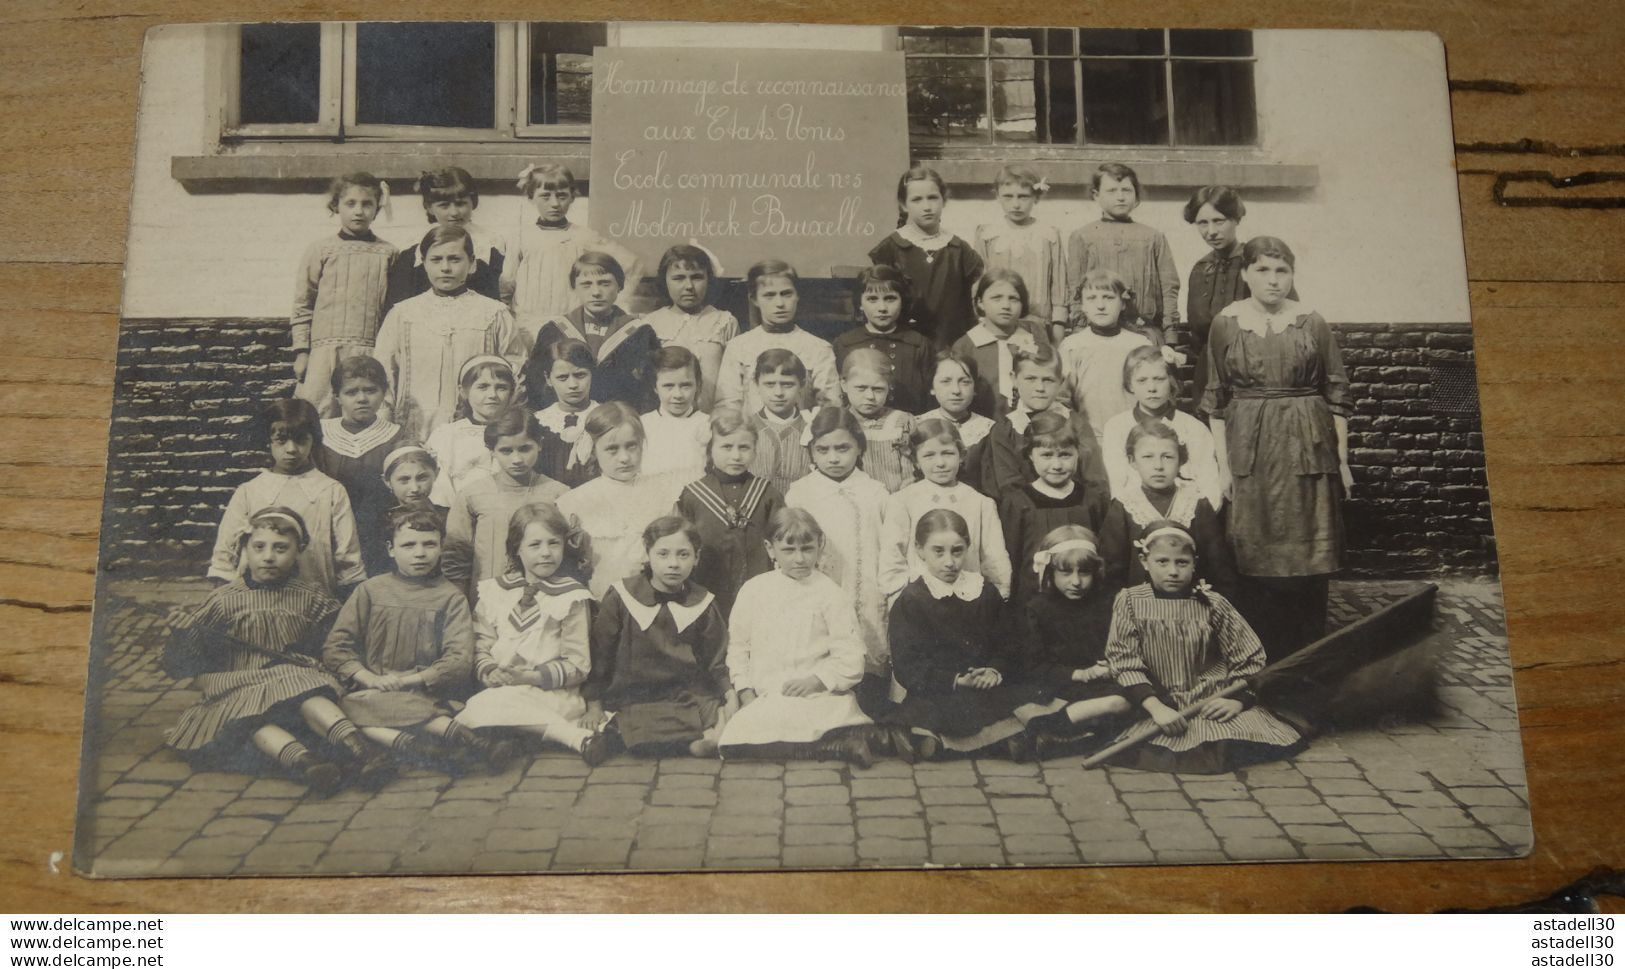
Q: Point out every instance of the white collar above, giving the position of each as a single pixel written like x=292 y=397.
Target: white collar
x=645 y=615
x=1021 y=416
x=1252 y=318
x=553 y=415
x=915 y=237
x=1043 y=487
x=1182 y=509
x=967 y=586
x=339 y=440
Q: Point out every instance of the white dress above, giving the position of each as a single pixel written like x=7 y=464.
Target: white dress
x=547 y=637
x=675 y=446
x=536 y=273
x=333 y=557
x=849 y=512
x=1201 y=467
x=692 y=330
x=459 y=448
x=1093 y=368
x=783 y=629
x=423 y=344
x=736 y=378
x=987 y=555
x=614 y=514
x=972 y=430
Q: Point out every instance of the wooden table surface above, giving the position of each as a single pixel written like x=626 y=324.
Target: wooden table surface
x=1538 y=89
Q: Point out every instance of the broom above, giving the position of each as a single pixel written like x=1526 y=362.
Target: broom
x=1305 y=685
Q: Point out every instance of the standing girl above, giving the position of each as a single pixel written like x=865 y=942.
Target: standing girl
x=945 y=630
x=794 y=657
x=1150 y=381
x=478 y=521
x=232 y=641
x=1052 y=496
x=1038 y=391
x=659 y=651
x=938 y=453
x=354 y=446
x=781 y=426
x=1278 y=396
x=485 y=388
x=1065 y=625
x=678 y=431
x=449 y=198
x=615 y=506
x=339 y=295
x=771 y=287
x=1002 y=327
x=538 y=278
x=531 y=636
x=330 y=555
x=568 y=367
x=867 y=382
x=730 y=507
x=1092 y=358
x=1137 y=253
x=686 y=318
x=425 y=339
x=623 y=347
x=883 y=301
x=1174 y=643
x=1026 y=246
x=848 y=505
x=1155 y=455
x=940 y=266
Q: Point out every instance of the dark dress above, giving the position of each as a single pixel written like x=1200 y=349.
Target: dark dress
x=935 y=640
x=1028 y=514
x=407 y=277
x=912 y=359
x=553 y=458
x=625 y=358
x=1127 y=517
x=659 y=662
x=732 y=515
x=356 y=461
x=940 y=283
x=1062 y=635
x=1004 y=469
x=1215 y=283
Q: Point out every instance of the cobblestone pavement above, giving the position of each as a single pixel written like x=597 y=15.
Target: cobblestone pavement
x=1452 y=786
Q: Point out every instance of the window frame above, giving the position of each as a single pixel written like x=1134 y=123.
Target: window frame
x=1077 y=57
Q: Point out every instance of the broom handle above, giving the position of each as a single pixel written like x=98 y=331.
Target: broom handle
x=1146 y=729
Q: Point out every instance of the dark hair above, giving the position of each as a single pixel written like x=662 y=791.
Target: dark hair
x=1139 y=356
x=764 y=269
x=933 y=429
x=413 y=454
x=442 y=234
x=1223 y=198
x=446 y=185
x=683 y=255
x=495 y=368
x=779 y=360
x=1090 y=562
x=419 y=517
x=1040 y=353
x=299 y=417
x=577 y=543
x=566 y=350
x=366 y=180
x=964 y=360
x=1117 y=170
x=1049 y=429
x=514 y=420
x=794 y=524
x=831 y=419
x=602 y=261
x=668 y=525
x=1159 y=430
x=917 y=173
x=940 y=520
x=282 y=520
x=677 y=358
x=1004 y=276
x=608 y=416
x=1258 y=247
x=883 y=278
x=358 y=367
x=547 y=176
x=1186 y=538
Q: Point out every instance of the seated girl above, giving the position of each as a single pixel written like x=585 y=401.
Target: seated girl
x=531 y=630
x=485 y=389
x=794 y=657
x=659 y=652
x=1182 y=654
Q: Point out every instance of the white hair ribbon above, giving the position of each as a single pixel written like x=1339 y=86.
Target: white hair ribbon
x=1044 y=556
x=523 y=181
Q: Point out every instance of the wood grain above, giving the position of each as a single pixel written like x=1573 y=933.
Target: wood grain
x=1548 y=286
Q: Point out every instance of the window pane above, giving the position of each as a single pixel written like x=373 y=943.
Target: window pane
x=1017 y=43
x=1124 y=103
x=947 y=99
x=1211 y=43
x=1034 y=102
x=280 y=80
x=440 y=75
x=1213 y=103
x=561 y=72
x=943 y=40
x=1110 y=42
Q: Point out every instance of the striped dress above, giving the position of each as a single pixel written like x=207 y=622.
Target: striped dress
x=781 y=449
x=1183 y=650
x=886 y=450
x=245 y=689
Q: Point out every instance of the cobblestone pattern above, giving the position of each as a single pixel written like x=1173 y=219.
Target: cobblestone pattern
x=186 y=391
x=1452 y=786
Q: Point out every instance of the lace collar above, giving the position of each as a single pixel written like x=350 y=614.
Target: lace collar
x=967 y=586
x=1182 y=509
x=931 y=244
x=338 y=439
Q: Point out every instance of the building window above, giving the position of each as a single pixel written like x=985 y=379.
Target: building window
x=973 y=86
x=416 y=81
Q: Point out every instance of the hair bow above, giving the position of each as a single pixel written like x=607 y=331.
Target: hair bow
x=1042 y=185
x=716 y=264
x=1044 y=556
x=581 y=451
x=524 y=177
x=806 y=430
x=384 y=201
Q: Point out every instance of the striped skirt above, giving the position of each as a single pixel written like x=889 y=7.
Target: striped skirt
x=236 y=704
x=1210 y=747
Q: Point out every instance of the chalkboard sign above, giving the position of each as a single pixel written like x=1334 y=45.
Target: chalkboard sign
x=756 y=154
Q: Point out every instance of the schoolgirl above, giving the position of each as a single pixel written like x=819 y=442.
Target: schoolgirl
x=867 y=382
x=883 y=303
x=1137 y=253
x=730 y=508
x=354 y=446
x=771 y=288
x=1051 y=496
x=623 y=346
x=940 y=266
x=1002 y=327
x=568 y=365
x=449 y=198
x=1155 y=455
x=678 y=431
x=1022 y=244
x=485 y=389
x=687 y=318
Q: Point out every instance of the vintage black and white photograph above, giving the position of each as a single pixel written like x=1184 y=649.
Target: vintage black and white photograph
x=559 y=447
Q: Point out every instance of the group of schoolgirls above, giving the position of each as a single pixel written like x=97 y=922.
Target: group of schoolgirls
x=663 y=535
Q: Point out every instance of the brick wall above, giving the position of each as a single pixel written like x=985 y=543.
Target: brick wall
x=186 y=391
